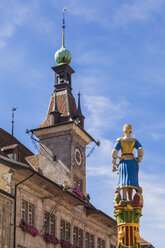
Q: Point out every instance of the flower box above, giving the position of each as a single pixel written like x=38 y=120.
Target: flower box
x=79 y=193
x=65 y=244
x=29 y=229
x=51 y=239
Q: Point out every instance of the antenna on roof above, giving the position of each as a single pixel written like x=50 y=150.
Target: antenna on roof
x=12 y=130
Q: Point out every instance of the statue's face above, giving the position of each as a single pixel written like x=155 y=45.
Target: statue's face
x=127 y=129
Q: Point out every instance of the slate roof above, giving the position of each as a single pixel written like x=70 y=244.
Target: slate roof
x=65 y=103
x=7 y=142
x=145 y=244
x=33 y=160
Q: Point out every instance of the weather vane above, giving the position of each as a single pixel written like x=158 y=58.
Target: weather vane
x=12 y=130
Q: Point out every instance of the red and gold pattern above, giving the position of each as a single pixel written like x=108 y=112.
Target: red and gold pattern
x=128 y=225
x=130 y=237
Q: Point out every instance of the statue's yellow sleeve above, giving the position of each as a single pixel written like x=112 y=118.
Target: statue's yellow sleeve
x=119 y=139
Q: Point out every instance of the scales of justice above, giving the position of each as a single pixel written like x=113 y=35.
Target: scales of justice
x=128 y=201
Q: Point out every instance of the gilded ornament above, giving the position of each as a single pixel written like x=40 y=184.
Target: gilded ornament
x=137 y=237
x=121 y=236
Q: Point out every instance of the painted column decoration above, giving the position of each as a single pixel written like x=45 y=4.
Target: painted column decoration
x=128 y=202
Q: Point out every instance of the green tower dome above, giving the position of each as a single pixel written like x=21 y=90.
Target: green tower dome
x=63 y=56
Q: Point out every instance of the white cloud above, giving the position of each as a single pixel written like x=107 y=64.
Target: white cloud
x=104 y=112
x=154 y=129
x=137 y=10
x=157 y=136
x=13 y=14
x=92 y=57
x=87 y=10
x=99 y=171
x=102 y=156
x=91 y=11
x=108 y=13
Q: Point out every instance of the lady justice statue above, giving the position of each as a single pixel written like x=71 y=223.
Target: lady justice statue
x=127 y=210
x=128 y=166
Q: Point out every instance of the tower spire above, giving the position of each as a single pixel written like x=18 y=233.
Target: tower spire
x=63 y=56
x=79 y=116
x=63 y=29
x=79 y=112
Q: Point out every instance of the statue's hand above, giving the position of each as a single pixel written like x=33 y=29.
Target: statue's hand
x=114 y=167
x=139 y=162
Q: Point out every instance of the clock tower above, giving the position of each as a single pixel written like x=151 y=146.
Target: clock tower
x=62 y=136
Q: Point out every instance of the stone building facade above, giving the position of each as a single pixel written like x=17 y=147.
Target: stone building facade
x=46 y=211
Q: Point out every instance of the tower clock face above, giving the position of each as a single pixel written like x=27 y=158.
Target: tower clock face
x=78 y=156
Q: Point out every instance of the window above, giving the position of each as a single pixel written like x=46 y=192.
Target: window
x=65 y=230
x=100 y=243
x=78 y=183
x=24 y=211
x=52 y=225
x=92 y=244
x=89 y=240
x=49 y=224
x=77 y=237
x=31 y=214
x=27 y=212
x=46 y=223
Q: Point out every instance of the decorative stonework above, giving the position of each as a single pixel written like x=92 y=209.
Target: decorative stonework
x=7 y=177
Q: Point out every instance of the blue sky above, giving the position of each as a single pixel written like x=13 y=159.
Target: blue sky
x=118 y=53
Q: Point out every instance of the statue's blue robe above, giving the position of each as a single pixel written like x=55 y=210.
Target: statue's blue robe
x=128 y=169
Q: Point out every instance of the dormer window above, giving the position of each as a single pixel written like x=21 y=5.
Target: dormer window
x=12 y=151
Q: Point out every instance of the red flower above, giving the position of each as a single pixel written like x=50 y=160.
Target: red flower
x=79 y=193
x=28 y=228
x=51 y=239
